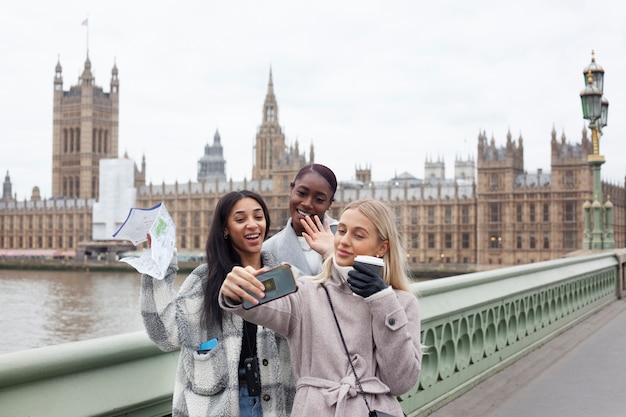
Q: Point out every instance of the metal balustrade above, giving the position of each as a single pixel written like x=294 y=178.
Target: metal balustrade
x=472 y=326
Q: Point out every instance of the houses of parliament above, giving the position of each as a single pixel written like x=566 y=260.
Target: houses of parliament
x=492 y=213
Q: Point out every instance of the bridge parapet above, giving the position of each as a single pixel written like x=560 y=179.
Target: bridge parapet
x=472 y=326
x=475 y=325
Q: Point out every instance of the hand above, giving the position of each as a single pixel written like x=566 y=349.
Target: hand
x=318 y=235
x=243 y=278
x=364 y=281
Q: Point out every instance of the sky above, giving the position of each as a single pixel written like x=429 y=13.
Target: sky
x=380 y=84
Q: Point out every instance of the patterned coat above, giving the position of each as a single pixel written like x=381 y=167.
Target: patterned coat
x=208 y=384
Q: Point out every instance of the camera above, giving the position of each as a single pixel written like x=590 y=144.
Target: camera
x=252 y=376
x=278 y=282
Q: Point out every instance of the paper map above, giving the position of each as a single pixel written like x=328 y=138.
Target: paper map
x=156 y=222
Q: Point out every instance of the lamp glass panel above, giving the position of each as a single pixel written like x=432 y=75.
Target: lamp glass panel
x=604 y=114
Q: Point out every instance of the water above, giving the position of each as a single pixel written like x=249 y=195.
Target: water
x=42 y=308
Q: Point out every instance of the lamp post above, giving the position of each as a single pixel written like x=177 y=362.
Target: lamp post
x=596 y=109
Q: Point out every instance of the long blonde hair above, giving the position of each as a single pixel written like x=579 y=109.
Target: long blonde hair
x=396 y=271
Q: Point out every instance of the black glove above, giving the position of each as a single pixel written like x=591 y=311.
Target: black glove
x=364 y=281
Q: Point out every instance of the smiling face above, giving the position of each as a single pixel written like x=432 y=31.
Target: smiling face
x=357 y=235
x=310 y=195
x=245 y=228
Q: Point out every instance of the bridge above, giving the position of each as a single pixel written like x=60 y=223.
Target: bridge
x=496 y=343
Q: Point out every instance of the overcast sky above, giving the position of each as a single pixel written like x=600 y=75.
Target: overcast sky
x=386 y=84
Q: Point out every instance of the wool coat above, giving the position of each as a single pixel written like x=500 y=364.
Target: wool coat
x=285 y=247
x=207 y=384
x=382 y=333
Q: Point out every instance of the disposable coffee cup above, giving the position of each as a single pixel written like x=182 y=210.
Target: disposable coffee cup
x=373 y=262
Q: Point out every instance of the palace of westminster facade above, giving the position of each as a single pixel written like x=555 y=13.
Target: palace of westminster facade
x=491 y=214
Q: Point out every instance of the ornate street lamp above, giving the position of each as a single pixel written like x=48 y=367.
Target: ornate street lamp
x=596 y=110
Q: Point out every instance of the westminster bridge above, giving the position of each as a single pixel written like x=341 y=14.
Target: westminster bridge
x=544 y=339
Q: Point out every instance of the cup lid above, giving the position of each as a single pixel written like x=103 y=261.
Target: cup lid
x=372 y=260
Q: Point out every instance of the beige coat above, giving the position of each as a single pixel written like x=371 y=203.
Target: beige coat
x=383 y=337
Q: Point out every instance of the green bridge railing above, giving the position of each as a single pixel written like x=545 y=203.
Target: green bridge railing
x=475 y=325
x=472 y=326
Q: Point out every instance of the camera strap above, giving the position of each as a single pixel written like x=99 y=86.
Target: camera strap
x=345 y=347
x=249 y=336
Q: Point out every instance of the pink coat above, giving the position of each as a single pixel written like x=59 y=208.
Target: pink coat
x=383 y=337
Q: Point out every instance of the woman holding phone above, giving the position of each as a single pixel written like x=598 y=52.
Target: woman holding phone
x=227 y=366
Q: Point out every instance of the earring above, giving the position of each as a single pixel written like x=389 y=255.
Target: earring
x=225 y=237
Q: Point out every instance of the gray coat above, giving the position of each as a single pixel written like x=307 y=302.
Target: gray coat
x=207 y=384
x=382 y=333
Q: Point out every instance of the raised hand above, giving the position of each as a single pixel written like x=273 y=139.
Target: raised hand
x=318 y=235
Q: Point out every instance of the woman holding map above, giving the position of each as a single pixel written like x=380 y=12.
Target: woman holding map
x=227 y=366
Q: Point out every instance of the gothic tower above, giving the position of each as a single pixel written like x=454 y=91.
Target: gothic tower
x=464 y=169
x=212 y=165
x=6 y=188
x=85 y=130
x=499 y=166
x=270 y=140
x=434 y=170
x=570 y=169
x=272 y=158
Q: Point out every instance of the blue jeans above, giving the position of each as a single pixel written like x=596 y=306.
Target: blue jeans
x=249 y=406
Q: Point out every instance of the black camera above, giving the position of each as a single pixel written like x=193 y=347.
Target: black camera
x=252 y=376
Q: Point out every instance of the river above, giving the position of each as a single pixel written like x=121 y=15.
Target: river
x=42 y=308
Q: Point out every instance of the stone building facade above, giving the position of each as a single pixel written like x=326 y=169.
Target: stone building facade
x=491 y=213
x=84 y=130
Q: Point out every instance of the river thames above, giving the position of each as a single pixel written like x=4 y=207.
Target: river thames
x=42 y=308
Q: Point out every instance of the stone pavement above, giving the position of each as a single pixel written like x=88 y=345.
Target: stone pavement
x=581 y=372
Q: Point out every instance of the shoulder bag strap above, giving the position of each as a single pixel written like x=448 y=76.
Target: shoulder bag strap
x=345 y=347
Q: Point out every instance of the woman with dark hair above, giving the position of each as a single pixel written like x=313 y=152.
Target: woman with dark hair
x=227 y=366
x=307 y=239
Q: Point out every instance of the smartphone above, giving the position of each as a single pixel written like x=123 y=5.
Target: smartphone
x=278 y=282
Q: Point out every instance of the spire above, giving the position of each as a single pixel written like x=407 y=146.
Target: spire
x=270 y=86
x=87 y=77
x=58 y=75
x=115 y=82
x=216 y=138
x=6 y=188
x=270 y=107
